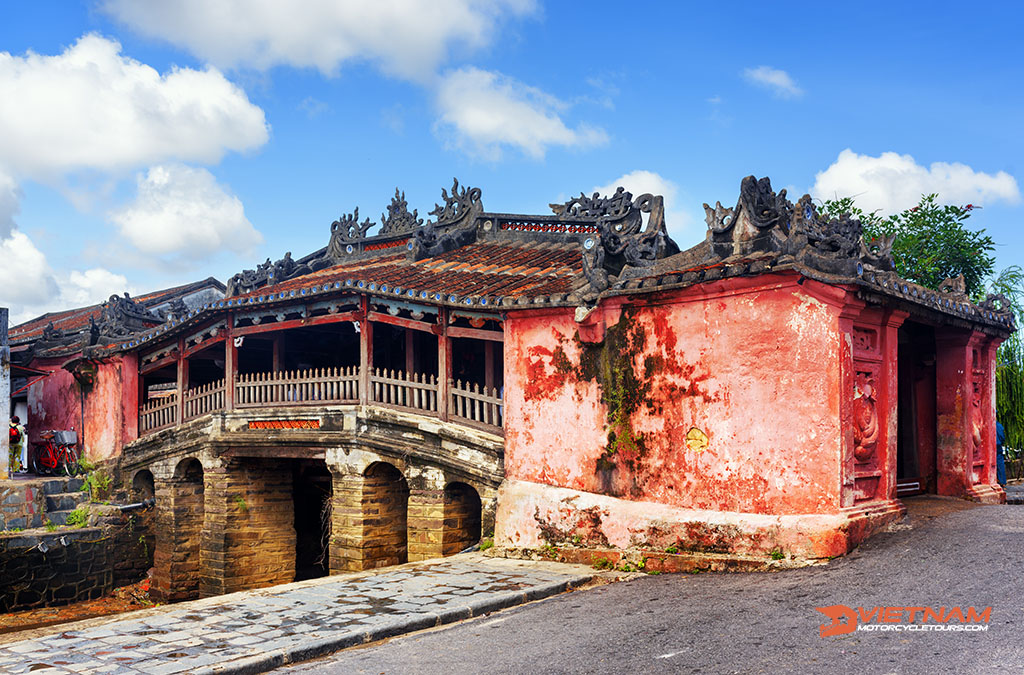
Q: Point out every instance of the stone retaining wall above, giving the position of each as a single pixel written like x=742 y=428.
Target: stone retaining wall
x=22 y=505
x=43 y=569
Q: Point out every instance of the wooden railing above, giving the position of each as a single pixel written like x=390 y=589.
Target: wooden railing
x=467 y=403
x=158 y=414
x=413 y=391
x=204 y=399
x=298 y=387
x=475 y=404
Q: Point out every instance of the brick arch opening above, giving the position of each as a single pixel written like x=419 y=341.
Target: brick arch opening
x=385 y=509
x=462 y=517
x=180 y=517
x=143 y=485
x=311 y=495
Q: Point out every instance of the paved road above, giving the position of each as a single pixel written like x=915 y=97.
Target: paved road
x=255 y=631
x=954 y=554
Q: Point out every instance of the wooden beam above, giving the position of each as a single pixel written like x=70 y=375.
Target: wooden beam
x=203 y=345
x=403 y=323
x=475 y=333
x=295 y=323
x=157 y=365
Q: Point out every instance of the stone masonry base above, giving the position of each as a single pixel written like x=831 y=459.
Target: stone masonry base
x=535 y=516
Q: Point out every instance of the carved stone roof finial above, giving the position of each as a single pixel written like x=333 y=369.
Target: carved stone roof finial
x=398 y=220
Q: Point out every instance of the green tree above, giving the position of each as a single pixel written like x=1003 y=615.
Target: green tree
x=932 y=243
x=1010 y=360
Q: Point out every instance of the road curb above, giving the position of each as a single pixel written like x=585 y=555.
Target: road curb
x=315 y=648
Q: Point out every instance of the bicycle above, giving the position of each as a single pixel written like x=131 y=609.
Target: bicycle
x=57 y=454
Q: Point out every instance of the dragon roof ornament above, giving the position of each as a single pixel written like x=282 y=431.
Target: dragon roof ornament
x=764 y=221
x=455 y=225
x=398 y=220
x=623 y=247
x=265 y=274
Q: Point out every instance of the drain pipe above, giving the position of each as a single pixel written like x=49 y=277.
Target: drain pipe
x=144 y=504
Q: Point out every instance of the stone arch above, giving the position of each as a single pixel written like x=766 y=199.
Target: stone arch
x=189 y=469
x=462 y=517
x=385 y=513
x=180 y=516
x=143 y=485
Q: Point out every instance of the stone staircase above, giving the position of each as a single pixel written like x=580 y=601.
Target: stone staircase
x=63 y=495
x=27 y=503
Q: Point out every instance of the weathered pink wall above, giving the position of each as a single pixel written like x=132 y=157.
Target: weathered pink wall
x=752 y=365
x=57 y=403
x=53 y=403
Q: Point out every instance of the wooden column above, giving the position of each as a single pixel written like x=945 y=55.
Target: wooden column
x=230 y=366
x=365 y=353
x=489 y=365
x=276 y=352
x=182 y=379
x=444 y=364
x=410 y=357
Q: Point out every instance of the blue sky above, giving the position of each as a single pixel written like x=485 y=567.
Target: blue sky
x=144 y=144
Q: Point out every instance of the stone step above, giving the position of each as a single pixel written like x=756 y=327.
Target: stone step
x=52 y=486
x=59 y=517
x=65 y=501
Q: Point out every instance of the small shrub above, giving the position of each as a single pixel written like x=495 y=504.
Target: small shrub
x=777 y=554
x=240 y=503
x=78 y=518
x=603 y=564
x=672 y=549
x=486 y=544
x=97 y=481
x=50 y=525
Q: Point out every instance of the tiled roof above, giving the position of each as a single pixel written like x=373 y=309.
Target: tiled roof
x=483 y=269
x=73 y=320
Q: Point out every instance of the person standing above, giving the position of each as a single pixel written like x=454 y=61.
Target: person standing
x=16 y=434
x=1000 y=454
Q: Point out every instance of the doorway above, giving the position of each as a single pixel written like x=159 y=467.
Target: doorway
x=916 y=415
x=312 y=497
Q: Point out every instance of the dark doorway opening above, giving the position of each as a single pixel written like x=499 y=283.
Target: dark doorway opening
x=462 y=511
x=312 y=498
x=916 y=426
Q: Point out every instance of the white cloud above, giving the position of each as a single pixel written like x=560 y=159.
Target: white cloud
x=892 y=182
x=406 y=39
x=183 y=210
x=10 y=197
x=25 y=277
x=777 y=81
x=91 y=108
x=484 y=111
x=640 y=182
x=30 y=287
x=91 y=286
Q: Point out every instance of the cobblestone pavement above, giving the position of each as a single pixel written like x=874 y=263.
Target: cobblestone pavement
x=259 y=630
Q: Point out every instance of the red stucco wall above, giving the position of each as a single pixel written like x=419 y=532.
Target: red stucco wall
x=99 y=415
x=738 y=407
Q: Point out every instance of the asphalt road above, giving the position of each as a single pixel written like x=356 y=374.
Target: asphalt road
x=952 y=553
